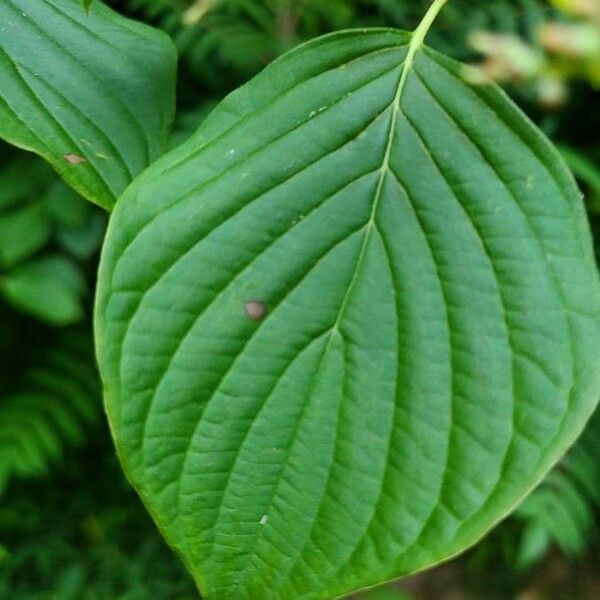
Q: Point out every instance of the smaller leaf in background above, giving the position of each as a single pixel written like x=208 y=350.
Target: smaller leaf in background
x=574 y=40
x=188 y=122
x=78 y=227
x=83 y=241
x=566 y=503
x=50 y=288
x=546 y=55
x=55 y=402
x=25 y=415
x=535 y=544
x=578 y=8
x=22 y=179
x=82 y=535
x=91 y=92
x=65 y=205
x=196 y=11
x=507 y=57
x=23 y=231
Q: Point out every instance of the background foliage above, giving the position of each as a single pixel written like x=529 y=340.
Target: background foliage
x=70 y=527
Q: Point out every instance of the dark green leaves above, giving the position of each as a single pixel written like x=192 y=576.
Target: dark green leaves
x=430 y=335
x=47 y=233
x=51 y=411
x=23 y=231
x=93 y=93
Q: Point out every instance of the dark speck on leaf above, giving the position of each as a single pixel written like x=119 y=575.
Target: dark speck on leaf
x=74 y=159
x=255 y=310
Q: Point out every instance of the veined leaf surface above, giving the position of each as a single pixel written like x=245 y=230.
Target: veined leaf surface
x=93 y=93
x=349 y=325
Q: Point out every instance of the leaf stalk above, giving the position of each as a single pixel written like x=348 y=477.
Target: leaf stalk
x=420 y=33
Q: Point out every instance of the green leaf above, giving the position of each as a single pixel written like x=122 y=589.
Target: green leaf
x=23 y=232
x=349 y=325
x=15 y=187
x=66 y=206
x=534 y=545
x=93 y=93
x=50 y=288
x=83 y=242
x=79 y=227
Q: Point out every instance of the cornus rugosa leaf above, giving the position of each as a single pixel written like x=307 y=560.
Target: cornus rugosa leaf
x=91 y=93
x=349 y=325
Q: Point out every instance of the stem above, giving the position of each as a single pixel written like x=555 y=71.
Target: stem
x=418 y=37
x=420 y=33
x=415 y=43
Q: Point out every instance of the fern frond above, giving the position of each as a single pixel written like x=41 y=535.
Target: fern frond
x=563 y=510
x=53 y=409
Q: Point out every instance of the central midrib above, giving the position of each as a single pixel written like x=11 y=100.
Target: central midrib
x=405 y=69
x=416 y=42
x=370 y=226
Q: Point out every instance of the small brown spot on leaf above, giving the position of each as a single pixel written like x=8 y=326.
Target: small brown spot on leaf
x=255 y=310
x=74 y=159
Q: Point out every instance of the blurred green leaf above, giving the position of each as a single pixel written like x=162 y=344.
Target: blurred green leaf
x=71 y=582
x=82 y=242
x=65 y=205
x=50 y=288
x=534 y=545
x=23 y=179
x=565 y=505
x=50 y=408
x=23 y=231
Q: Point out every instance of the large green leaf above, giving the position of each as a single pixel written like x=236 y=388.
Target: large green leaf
x=91 y=93
x=349 y=325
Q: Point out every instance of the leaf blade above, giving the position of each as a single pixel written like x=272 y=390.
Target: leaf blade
x=382 y=413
